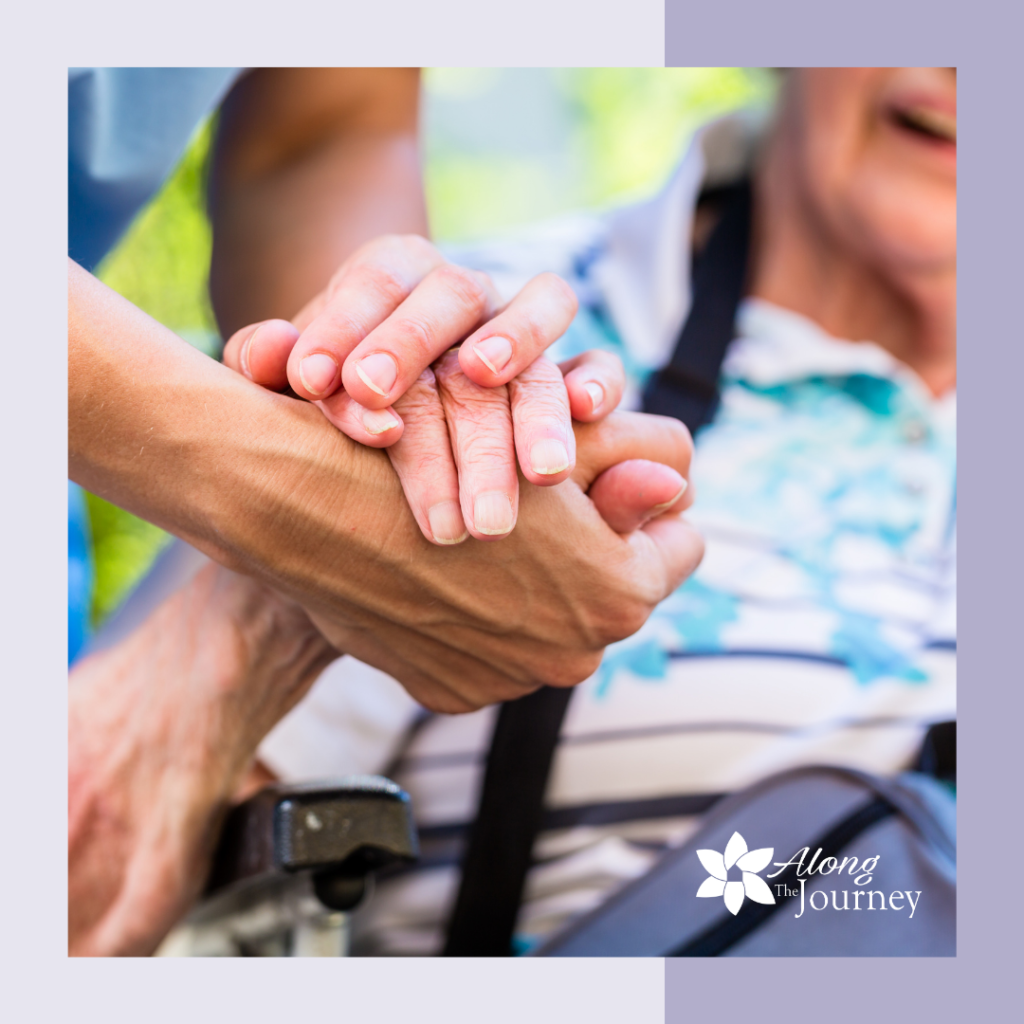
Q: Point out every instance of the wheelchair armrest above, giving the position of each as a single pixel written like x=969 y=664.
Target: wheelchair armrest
x=337 y=831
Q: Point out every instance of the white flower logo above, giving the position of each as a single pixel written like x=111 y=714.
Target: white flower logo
x=717 y=865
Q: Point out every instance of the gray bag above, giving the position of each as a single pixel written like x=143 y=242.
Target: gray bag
x=818 y=861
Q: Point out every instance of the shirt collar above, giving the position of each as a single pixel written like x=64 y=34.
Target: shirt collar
x=775 y=346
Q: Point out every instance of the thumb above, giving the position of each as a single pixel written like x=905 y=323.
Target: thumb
x=634 y=492
x=260 y=352
x=627 y=436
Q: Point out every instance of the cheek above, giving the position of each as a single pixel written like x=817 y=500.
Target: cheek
x=906 y=222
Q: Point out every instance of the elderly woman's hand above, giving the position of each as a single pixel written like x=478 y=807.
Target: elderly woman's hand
x=374 y=351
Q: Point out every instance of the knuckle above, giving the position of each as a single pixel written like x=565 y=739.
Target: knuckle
x=458 y=389
x=682 y=439
x=380 y=278
x=447 y=368
x=425 y=466
x=539 y=393
x=532 y=330
x=424 y=384
x=422 y=399
x=542 y=373
x=418 y=246
x=413 y=339
x=608 y=361
x=538 y=413
x=571 y=668
x=484 y=409
x=625 y=608
x=487 y=454
x=561 y=290
x=632 y=619
x=486 y=281
x=465 y=285
x=388 y=282
x=339 y=275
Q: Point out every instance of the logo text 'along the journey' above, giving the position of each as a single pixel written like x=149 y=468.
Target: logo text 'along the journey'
x=750 y=885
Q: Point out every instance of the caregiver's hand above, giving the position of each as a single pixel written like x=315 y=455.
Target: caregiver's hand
x=266 y=486
x=397 y=297
x=479 y=623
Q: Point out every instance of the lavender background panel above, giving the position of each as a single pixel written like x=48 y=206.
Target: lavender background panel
x=981 y=42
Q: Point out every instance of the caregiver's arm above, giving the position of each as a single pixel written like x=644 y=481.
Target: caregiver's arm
x=309 y=164
x=166 y=432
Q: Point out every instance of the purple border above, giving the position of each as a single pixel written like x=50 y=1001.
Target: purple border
x=981 y=44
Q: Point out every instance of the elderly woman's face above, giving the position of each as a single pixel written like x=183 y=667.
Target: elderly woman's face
x=876 y=152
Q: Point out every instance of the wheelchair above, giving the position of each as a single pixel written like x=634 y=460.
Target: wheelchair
x=291 y=862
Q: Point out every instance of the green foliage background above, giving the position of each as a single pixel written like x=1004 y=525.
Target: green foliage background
x=624 y=130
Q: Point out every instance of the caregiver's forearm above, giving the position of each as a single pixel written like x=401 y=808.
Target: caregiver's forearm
x=168 y=433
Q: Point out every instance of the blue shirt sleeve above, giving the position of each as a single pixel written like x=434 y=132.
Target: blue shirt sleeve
x=80 y=572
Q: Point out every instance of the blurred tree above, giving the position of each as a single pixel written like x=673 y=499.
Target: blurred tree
x=161 y=265
x=505 y=147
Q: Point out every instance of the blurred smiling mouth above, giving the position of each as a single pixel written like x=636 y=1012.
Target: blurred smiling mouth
x=926 y=122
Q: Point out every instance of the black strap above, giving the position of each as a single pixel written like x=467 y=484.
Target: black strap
x=729 y=930
x=687 y=388
x=500 y=848
x=937 y=756
x=509 y=816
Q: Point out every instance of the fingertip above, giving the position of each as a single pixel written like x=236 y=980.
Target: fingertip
x=494 y=516
x=635 y=492
x=495 y=353
x=596 y=395
x=383 y=426
x=549 y=462
x=595 y=382
x=670 y=505
x=550 y=480
x=373 y=379
x=447 y=527
x=587 y=399
x=231 y=355
x=264 y=355
x=479 y=370
x=549 y=457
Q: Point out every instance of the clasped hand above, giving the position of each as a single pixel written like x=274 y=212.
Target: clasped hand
x=376 y=352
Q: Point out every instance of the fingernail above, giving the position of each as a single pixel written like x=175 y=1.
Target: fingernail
x=596 y=393
x=655 y=509
x=317 y=372
x=244 y=357
x=446 y=525
x=492 y=513
x=377 y=421
x=548 y=457
x=378 y=372
x=494 y=353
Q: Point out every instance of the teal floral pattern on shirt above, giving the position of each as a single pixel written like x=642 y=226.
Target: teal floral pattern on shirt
x=832 y=498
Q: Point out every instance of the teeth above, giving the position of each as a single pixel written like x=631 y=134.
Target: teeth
x=933 y=121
